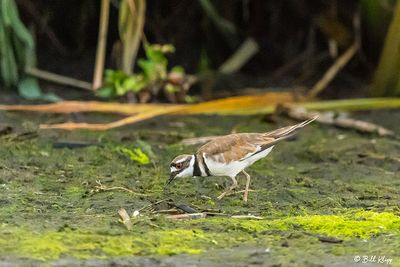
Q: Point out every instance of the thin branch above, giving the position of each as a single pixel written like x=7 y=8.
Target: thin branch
x=340 y=62
x=330 y=118
x=333 y=70
x=101 y=44
x=242 y=55
x=101 y=187
x=106 y=126
x=153 y=204
x=56 y=78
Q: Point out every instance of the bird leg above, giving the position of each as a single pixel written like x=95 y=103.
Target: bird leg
x=233 y=186
x=246 y=190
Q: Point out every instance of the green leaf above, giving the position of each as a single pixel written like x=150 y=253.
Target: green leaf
x=16 y=47
x=191 y=99
x=165 y=48
x=113 y=76
x=149 y=69
x=106 y=92
x=29 y=88
x=136 y=155
x=5 y=5
x=134 y=83
x=119 y=89
x=170 y=88
x=155 y=55
x=51 y=97
x=18 y=27
x=204 y=62
x=178 y=69
x=9 y=68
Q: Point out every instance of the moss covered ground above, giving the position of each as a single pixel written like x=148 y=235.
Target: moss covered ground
x=326 y=197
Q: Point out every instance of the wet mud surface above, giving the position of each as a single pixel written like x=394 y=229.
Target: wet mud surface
x=326 y=197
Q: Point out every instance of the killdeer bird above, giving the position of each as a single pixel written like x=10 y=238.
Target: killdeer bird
x=231 y=154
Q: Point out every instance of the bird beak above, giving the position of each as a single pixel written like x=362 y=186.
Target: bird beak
x=171 y=178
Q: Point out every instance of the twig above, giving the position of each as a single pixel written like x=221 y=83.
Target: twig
x=107 y=126
x=224 y=26
x=330 y=118
x=288 y=66
x=126 y=220
x=247 y=217
x=363 y=126
x=245 y=52
x=101 y=187
x=243 y=105
x=333 y=70
x=187 y=216
x=101 y=44
x=153 y=204
x=379 y=157
x=216 y=214
x=56 y=78
x=341 y=61
x=168 y=211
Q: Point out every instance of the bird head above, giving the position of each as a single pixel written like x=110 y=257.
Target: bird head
x=181 y=166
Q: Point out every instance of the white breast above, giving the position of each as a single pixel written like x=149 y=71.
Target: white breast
x=234 y=167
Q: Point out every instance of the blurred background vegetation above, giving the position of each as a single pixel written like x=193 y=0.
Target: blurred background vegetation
x=188 y=51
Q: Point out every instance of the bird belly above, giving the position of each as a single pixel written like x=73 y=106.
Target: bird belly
x=234 y=167
x=225 y=169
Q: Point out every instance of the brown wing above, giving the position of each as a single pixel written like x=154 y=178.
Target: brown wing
x=235 y=146
x=240 y=146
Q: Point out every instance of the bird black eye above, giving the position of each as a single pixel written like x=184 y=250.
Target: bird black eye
x=178 y=165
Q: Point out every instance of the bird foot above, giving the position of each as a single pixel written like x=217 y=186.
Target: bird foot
x=234 y=193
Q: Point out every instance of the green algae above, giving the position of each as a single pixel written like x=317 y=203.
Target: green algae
x=315 y=186
x=360 y=224
x=51 y=245
x=352 y=224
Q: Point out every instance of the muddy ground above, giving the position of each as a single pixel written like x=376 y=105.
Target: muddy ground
x=328 y=198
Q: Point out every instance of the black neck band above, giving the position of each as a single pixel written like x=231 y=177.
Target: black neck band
x=206 y=168
x=196 y=168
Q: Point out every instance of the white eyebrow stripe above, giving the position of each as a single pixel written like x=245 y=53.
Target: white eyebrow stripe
x=182 y=160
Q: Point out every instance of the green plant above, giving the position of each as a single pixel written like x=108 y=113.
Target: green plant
x=135 y=155
x=17 y=52
x=16 y=44
x=130 y=26
x=153 y=76
x=387 y=75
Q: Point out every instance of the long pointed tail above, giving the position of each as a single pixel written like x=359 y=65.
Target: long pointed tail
x=288 y=131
